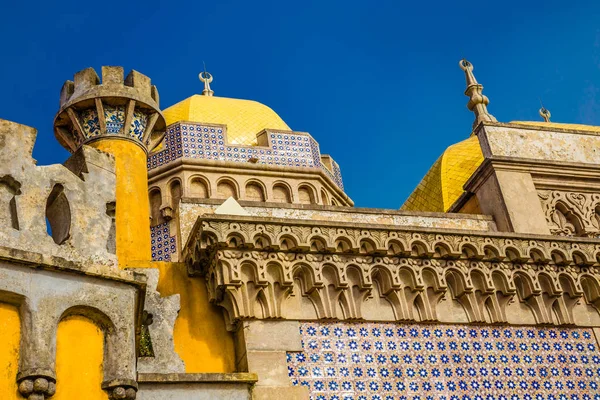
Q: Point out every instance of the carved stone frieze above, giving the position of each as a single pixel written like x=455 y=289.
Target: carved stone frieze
x=571 y=213
x=256 y=269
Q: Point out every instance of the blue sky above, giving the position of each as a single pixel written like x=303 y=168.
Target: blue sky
x=377 y=83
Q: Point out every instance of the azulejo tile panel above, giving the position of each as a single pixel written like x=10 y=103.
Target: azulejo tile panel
x=208 y=142
x=384 y=361
x=163 y=244
x=115 y=118
x=89 y=123
x=138 y=125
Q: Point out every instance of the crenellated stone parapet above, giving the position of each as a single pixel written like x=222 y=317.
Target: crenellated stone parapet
x=118 y=107
x=276 y=268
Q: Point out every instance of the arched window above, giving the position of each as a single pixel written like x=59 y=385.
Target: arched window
x=198 y=189
x=324 y=197
x=58 y=215
x=281 y=194
x=226 y=189
x=254 y=192
x=176 y=194
x=155 y=204
x=306 y=195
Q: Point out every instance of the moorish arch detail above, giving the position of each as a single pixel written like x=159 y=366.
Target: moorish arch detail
x=412 y=271
x=571 y=213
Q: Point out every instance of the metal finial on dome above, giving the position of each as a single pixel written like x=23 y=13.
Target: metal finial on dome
x=207 y=78
x=477 y=101
x=544 y=112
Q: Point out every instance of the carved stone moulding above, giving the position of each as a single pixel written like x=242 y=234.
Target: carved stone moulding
x=571 y=213
x=256 y=269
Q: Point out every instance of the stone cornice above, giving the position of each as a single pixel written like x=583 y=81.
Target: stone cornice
x=259 y=263
x=232 y=167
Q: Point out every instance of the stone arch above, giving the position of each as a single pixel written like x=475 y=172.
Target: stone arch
x=387 y=296
x=80 y=355
x=282 y=192
x=318 y=244
x=559 y=257
x=309 y=299
x=58 y=214
x=112 y=362
x=155 y=198
x=306 y=194
x=199 y=187
x=568 y=221
x=324 y=197
x=492 y=253
x=255 y=191
x=528 y=293
x=227 y=187
x=591 y=290
x=287 y=242
x=367 y=246
x=460 y=292
x=343 y=245
x=470 y=252
x=175 y=193
x=262 y=241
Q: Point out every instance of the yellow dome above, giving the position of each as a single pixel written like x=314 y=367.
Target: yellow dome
x=443 y=183
x=244 y=118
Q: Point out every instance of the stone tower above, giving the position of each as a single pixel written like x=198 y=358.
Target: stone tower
x=121 y=117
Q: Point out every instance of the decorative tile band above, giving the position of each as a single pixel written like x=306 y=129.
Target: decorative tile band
x=115 y=119
x=163 y=244
x=384 y=361
x=208 y=142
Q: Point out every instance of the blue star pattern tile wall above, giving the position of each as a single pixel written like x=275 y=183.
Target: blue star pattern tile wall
x=385 y=361
x=208 y=142
x=163 y=244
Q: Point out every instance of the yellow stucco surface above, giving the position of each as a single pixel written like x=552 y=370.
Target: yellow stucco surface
x=79 y=355
x=133 y=211
x=201 y=339
x=443 y=183
x=244 y=118
x=10 y=334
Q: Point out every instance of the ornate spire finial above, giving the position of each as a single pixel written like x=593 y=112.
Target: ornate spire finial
x=477 y=101
x=544 y=112
x=207 y=78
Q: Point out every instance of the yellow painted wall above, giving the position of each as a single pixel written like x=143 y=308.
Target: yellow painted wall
x=10 y=334
x=133 y=211
x=79 y=355
x=201 y=339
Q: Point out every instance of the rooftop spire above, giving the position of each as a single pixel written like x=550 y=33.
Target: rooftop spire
x=207 y=78
x=544 y=112
x=477 y=101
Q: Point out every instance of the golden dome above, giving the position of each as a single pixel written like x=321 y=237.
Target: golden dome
x=443 y=183
x=244 y=118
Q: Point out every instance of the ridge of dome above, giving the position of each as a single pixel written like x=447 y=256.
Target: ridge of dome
x=244 y=118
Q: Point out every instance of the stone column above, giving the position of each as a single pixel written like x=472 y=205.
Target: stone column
x=510 y=197
x=261 y=348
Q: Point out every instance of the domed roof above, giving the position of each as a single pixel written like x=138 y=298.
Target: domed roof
x=244 y=118
x=443 y=183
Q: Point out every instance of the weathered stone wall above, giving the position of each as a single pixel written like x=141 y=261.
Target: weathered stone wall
x=76 y=198
x=540 y=144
